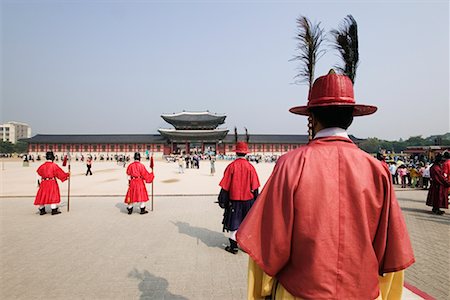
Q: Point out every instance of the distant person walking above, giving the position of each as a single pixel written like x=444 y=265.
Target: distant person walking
x=239 y=191
x=89 y=166
x=48 y=192
x=180 y=161
x=212 y=161
x=137 y=192
x=438 y=193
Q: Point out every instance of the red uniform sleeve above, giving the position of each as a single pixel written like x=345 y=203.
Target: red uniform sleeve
x=436 y=174
x=146 y=175
x=446 y=168
x=149 y=177
x=227 y=178
x=266 y=232
x=391 y=242
x=59 y=173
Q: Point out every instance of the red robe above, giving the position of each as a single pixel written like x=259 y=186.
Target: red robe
x=327 y=223
x=438 y=193
x=446 y=169
x=137 y=192
x=240 y=179
x=48 y=192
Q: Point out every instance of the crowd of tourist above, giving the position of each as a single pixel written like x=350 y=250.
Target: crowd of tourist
x=413 y=175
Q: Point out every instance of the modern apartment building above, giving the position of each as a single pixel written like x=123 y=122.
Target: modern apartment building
x=14 y=131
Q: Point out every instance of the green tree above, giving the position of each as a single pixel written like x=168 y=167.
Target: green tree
x=6 y=147
x=370 y=145
x=21 y=147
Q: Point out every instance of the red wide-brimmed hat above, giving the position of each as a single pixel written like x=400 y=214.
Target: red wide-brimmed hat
x=242 y=147
x=333 y=90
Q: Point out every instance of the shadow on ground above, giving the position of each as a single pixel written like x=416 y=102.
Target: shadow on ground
x=122 y=207
x=208 y=237
x=427 y=215
x=153 y=287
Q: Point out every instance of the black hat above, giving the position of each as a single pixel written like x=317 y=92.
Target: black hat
x=438 y=158
x=137 y=156
x=49 y=156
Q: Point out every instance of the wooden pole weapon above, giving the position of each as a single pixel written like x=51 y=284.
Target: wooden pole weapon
x=68 y=184
x=152 y=166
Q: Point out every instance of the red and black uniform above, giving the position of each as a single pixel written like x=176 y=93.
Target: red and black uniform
x=137 y=192
x=240 y=185
x=48 y=192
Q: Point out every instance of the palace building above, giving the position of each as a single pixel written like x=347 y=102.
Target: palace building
x=193 y=132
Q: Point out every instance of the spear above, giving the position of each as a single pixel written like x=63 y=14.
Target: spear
x=67 y=158
x=310 y=36
x=151 y=167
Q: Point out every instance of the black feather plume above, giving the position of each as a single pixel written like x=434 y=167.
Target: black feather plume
x=346 y=42
x=310 y=37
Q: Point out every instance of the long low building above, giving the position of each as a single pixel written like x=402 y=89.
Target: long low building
x=194 y=132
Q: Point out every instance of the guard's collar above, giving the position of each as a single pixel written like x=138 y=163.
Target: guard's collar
x=332 y=131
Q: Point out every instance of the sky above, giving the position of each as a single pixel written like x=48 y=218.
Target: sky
x=113 y=67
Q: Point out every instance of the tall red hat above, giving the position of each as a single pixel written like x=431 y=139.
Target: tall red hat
x=333 y=90
x=242 y=147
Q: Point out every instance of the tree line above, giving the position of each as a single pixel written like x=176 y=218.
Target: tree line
x=373 y=145
x=9 y=148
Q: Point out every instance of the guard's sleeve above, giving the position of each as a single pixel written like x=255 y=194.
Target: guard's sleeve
x=225 y=183
x=266 y=231
x=149 y=177
x=438 y=176
x=60 y=174
x=391 y=242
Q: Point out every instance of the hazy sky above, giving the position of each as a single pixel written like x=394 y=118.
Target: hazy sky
x=116 y=66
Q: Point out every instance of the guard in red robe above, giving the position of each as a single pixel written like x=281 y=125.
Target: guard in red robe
x=239 y=185
x=438 y=192
x=137 y=192
x=327 y=223
x=48 y=192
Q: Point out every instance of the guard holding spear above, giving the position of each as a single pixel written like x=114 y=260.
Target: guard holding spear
x=137 y=192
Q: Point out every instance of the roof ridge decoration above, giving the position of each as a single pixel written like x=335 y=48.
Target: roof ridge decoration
x=193 y=113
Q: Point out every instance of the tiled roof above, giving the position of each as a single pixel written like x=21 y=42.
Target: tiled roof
x=194 y=120
x=96 y=138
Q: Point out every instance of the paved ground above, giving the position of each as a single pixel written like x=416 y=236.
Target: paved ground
x=97 y=251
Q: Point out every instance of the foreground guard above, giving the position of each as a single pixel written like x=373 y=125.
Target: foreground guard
x=48 y=192
x=137 y=192
x=327 y=222
x=239 y=185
